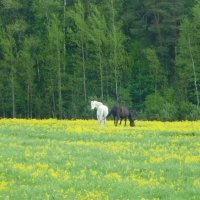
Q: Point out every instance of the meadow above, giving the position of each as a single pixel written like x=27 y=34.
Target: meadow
x=79 y=160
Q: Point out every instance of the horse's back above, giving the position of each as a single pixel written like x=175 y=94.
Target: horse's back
x=115 y=111
x=103 y=110
x=120 y=111
x=124 y=111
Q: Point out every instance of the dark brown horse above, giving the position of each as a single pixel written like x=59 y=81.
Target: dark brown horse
x=121 y=113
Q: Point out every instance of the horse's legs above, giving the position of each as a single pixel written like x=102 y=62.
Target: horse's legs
x=98 y=119
x=104 y=121
x=120 y=121
x=101 y=120
x=125 y=121
x=116 y=120
x=104 y=118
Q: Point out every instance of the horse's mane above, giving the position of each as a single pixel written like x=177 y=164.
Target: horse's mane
x=98 y=102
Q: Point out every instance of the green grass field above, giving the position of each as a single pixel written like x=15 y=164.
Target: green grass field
x=80 y=160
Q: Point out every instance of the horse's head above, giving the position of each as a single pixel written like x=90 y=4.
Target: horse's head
x=92 y=105
x=132 y=122
x=95 y=104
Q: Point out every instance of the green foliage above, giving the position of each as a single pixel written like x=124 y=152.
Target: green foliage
x=157 y=107
x=153 y=105
x=156 y=72
x=194 y=113
x=55 y=55
x=188 y=111
x=187 y=61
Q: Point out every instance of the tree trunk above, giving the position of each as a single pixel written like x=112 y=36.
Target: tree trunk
x=13 y=95
x=53 y=99
x=101 y=73
x=54 y=105
x=59 y=85
x=115 y=52
x=83 y=64
x=194 y=72
x=31 y=103
x=64 y=31
x=28 y=101
x=2 y=105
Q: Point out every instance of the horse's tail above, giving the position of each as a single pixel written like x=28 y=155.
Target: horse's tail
x=110 y=113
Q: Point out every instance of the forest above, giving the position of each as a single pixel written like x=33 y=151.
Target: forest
x=58 y=55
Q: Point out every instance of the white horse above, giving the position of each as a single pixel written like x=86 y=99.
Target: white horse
x=102 y=111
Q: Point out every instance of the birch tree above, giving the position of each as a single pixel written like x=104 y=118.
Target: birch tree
x=97 y=34
x=55 y=39
x=27 y=74
x=188 y=58
x=9 y=59
x=79 y=37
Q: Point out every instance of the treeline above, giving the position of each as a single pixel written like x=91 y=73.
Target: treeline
x=57 y=55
